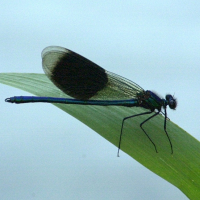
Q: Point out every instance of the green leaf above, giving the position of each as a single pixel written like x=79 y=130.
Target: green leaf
x=182 y=168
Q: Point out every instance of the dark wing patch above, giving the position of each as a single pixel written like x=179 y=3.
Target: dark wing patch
x=75 y=75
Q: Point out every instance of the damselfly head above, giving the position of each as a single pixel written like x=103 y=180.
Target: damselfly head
x=172 y=102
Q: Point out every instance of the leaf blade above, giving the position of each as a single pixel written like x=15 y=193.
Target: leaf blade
x=181 y=169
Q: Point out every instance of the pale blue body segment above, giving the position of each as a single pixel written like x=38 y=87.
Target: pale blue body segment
x=34 y=99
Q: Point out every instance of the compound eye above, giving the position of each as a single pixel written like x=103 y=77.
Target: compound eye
x=172 y=104
x=168 y=97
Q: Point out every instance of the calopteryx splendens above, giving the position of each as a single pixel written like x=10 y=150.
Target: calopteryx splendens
x=89 y=84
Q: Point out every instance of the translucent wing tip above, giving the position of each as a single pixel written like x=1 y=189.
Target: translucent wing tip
x=51 y=56
x=51 y=49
